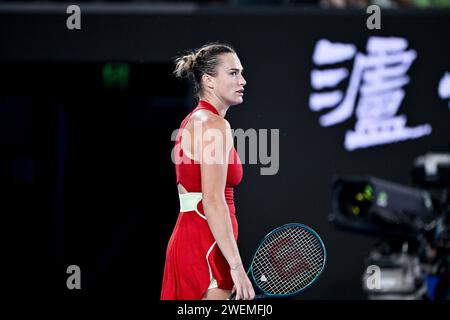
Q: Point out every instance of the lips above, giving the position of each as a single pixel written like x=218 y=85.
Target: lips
x=240 y=91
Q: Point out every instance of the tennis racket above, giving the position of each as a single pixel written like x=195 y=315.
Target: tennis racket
x=288 y=260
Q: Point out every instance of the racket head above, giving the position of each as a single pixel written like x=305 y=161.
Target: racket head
x=288 y=260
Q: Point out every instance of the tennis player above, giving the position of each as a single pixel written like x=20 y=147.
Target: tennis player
x=202 y=258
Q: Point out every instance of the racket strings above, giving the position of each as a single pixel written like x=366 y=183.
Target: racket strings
x=289 y=273
x=288 y=260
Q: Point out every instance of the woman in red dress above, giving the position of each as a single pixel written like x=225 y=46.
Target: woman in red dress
x=202 y=258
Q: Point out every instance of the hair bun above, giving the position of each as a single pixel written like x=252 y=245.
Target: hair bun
x=184 y=65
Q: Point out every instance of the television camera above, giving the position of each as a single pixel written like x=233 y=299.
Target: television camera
x=410 y=260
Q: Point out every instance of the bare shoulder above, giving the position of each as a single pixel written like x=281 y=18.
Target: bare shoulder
x=210 y=120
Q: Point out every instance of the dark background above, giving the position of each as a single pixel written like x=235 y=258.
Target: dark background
x=85 y=168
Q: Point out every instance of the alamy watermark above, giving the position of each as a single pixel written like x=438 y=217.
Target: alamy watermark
x=212 y=146
x=374 y=20
x=74 y=280
x=373 y=277
x=74 y=20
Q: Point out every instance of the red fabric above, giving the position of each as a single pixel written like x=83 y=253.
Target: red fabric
x=186 y=271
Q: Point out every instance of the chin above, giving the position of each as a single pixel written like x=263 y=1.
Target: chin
x=237 y=101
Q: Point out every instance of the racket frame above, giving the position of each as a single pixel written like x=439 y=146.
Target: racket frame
x=286 y=226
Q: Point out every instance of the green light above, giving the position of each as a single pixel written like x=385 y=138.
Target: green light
x=368 y=192
x=116 y=75
x=355 y=210
x=359 y=196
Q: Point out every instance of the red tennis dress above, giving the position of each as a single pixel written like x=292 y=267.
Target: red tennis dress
x=193 y=258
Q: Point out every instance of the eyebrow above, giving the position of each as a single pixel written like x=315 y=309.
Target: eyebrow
x=236 y=69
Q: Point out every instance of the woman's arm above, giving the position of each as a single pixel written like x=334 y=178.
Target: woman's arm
x=214 y=147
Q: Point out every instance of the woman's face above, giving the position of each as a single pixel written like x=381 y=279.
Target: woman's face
x=228 y=84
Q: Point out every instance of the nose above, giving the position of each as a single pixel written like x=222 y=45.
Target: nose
x=243 y=82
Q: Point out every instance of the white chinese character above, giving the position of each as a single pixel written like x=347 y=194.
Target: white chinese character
x=374 y=87
x=444 y=87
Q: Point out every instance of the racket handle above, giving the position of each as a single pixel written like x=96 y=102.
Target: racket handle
x=232 y=296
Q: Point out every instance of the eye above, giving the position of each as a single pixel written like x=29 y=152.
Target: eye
x=234 y=73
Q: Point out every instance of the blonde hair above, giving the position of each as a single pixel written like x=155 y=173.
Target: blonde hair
x=195 y=63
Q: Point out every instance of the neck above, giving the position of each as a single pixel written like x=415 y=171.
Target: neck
x=217 y=103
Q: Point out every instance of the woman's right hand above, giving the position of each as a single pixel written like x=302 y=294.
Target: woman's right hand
x=242 y=284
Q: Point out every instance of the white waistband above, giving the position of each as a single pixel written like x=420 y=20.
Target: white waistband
x=189 y=201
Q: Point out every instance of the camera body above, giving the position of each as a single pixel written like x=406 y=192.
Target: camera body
x=412 y=224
